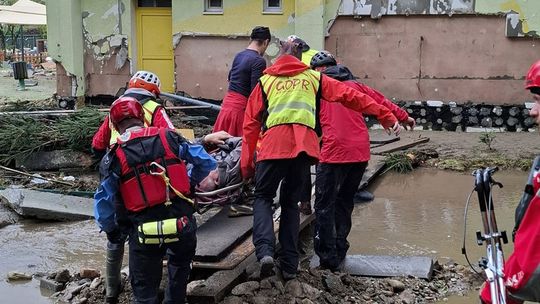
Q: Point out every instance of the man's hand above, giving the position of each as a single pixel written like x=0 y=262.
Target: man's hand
x=409 y=123
x=116 y=236
x=217 y=138
x=396 y=129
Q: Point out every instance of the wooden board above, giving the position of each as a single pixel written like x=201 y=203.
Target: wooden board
x=245 y=249
x=374 y=168
x=216 y=287
x=402 y=144
x=382 y=139
x=220 y=234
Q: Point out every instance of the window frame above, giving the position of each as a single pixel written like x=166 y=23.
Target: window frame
x=212 y=9
x=155 y=4
x=271 y=9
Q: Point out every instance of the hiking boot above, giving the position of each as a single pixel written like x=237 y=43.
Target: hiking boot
x=363 y=196
x=267 y=266
x=111 y=300
x=287 y=276
x=305 y=208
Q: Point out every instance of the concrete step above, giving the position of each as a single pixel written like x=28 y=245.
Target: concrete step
x=48 y=206
x=385 y=266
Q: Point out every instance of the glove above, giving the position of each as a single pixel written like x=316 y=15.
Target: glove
x=116 y=236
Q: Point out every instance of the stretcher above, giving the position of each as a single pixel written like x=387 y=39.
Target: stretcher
x=218 y=198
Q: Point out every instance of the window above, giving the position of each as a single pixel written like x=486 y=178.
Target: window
x=272 y=6
x=213 y=6
x=154 y=3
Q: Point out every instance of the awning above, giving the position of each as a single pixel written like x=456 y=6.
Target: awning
x=23 y=12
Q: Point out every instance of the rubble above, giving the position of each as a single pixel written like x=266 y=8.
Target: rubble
x=47 y=206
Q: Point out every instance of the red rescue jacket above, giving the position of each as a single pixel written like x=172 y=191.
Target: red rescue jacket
x=345 y=136
x=287 y=141
x=136 y=151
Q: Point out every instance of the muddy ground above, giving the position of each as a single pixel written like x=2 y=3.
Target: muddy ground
x=456 y=151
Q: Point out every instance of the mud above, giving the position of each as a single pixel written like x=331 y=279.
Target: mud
x=420 y=213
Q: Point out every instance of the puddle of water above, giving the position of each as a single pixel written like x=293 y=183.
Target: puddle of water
x=40 y=247
x=421 y=213
x=415 y=214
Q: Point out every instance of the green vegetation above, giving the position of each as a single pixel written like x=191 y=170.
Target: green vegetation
x=483 y=160
x=398 y=162
x=22 y=135
x=487 y=139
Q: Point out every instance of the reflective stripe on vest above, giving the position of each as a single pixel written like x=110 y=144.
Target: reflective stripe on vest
x=149 y=108
x=291 y=99
x=140 y=188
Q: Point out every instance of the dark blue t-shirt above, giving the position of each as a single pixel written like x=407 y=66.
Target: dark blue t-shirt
x=247 y=68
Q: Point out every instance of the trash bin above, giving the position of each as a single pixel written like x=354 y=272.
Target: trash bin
x=19 y=70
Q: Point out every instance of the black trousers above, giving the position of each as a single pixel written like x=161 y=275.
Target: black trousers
x=268 y=175
x=335 y=185
x=146 y=264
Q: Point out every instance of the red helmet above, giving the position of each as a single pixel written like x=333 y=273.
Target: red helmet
x=123 y=108
x=533 y=76
x=145 y=80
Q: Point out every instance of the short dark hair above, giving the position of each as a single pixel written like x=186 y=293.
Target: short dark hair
x=260 y=33
x=535 y=90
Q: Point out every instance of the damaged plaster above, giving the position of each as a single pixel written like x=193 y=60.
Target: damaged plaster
x=377 y=8
x=522 y=16
x=65 y=45
x=102 y=31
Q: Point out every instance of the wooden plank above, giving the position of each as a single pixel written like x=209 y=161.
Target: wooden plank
x=220 y=234
x=402 y=144
x=245 y=249
x=374 y=168
x=382 y=139
x=215 y=287
x=385 y=266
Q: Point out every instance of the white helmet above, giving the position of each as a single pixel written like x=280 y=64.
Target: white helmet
x=145 y=80
x=291 y=38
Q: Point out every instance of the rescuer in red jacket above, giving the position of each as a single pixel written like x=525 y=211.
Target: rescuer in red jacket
x=144 y=194
x=145 y=87
x=522 y=268
x=285 y=106
x=343 y=160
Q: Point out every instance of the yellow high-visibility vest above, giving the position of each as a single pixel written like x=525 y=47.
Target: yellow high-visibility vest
x=291 y=99
x=307 y=55
x=149 y=107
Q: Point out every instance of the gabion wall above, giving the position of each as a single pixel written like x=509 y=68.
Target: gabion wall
x=437 y=116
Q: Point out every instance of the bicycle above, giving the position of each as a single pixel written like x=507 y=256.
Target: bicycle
x=493 y=263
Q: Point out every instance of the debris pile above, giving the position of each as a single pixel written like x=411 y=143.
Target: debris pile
x=322 y=286
x=23 y=135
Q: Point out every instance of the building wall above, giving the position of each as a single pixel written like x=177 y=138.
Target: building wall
x=90 y=39
x=522 y=16
x=65 y=45
x=203 y=63
x=456 y=50
x=459 y=58
x=107 y=28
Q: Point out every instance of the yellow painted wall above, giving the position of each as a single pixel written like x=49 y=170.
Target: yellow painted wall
x=528 y=10
x=238 y=18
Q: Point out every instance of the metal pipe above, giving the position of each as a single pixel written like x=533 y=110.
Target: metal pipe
x=66 y=112
x=191 y=101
